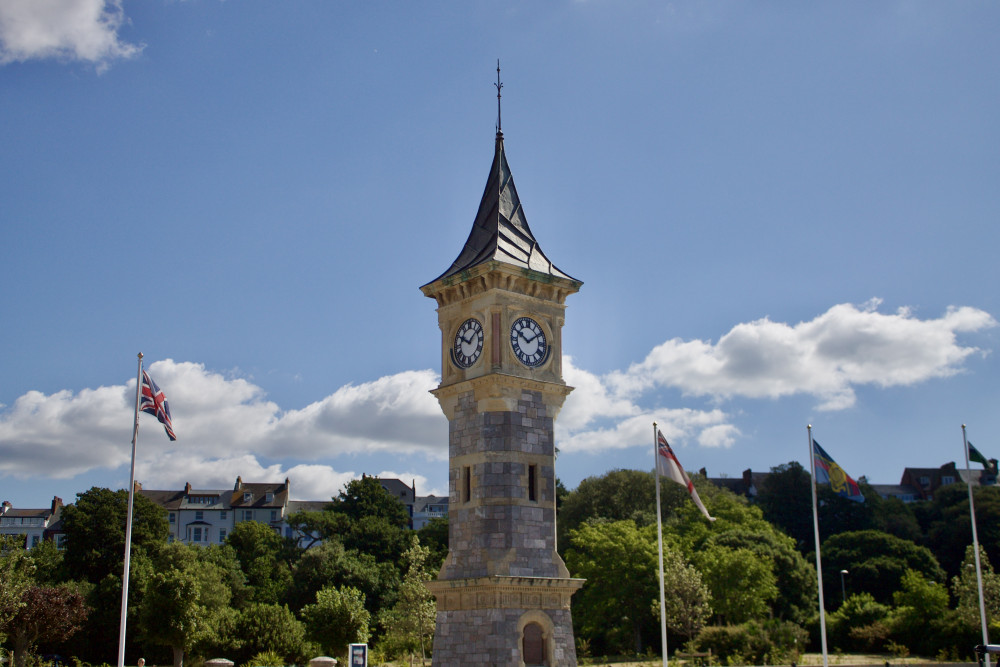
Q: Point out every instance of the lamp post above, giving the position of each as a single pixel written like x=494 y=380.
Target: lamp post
x=843 y=590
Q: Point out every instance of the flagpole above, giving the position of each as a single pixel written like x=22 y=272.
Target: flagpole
x=128 y=519
x=659 y=542
x=975 y=546
x=819 y=564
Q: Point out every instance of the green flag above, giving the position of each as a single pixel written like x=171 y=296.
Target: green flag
x=974 y=455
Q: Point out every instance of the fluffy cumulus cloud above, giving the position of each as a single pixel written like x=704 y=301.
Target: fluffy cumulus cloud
x=827 y=357
x=227 y=426
x=84 y=30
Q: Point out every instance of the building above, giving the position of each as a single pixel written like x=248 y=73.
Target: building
x=428 y=508
x=208 y=516
x=503 y=592
x=34 y=525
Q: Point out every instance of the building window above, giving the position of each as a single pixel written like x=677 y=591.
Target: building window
x=199 y=516
x=274 y=515
x=222 y=535
x=172 y=517
x=247 y=515
x=466 y=484
x=196 y=534
x=247 y=496
x=269 y=496
x=925 y=481
x=222 y=514
x=34 y=540
x=947 y=479
x=533 y=483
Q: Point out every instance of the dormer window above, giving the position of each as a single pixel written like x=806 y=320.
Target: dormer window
x=247 y=496
x=269 y=496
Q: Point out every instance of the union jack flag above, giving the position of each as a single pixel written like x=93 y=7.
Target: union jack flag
x=155 y=403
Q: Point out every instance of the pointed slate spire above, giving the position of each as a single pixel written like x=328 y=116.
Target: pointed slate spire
x=500 y=232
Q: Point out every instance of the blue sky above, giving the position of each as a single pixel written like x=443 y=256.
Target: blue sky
x=783 y=214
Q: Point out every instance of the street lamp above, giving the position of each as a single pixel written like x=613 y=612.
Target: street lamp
x=843 y=590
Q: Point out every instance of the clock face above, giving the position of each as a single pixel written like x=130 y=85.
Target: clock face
x=468 y=343
x=528 y=341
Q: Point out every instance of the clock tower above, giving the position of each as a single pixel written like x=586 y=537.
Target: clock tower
x=503 y=593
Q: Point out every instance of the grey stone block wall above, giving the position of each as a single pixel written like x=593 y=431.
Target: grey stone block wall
x=483 y=637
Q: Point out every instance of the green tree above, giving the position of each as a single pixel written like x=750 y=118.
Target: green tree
x=687 y=601
x=269 y=627
x=741 y=582
x=948 y=524
x=618 y=560
x=262 y=554
x=860 y=624
x=965 y=589
x=48 y=614
x=409 y=624
x=16 y=571
x=921 y=614
x=186 y=601
x=95 y=532
x=785 y=500
x=794 y=576
x=48 y=561
x=336 y=619
x=616 y=495
x=434 y=536
x=331 y=565
x=876 y=562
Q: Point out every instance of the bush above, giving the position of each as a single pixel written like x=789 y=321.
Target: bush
x=753 y=642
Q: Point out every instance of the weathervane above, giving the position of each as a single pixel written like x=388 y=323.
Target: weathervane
x=498 y=86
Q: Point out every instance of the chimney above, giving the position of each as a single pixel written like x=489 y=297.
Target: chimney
x=6 y=506
x=187 y=488
x=138 y=486
x=56 y=503
x=239 y=483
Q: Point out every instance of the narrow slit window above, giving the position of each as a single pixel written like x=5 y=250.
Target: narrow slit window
x=532 y=483
x=466 y=484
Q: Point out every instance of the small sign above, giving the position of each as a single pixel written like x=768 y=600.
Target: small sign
x=359 y=655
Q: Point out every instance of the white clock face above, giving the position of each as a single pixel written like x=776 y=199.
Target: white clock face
x=528 y=341
x=468 y=343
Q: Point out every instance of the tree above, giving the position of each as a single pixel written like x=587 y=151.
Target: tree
x=860 y=624
x=331 y=565
x=786 y=501
x=616 y=495
x=185 y=602
x=921 y=612
x=16 y=570
x=434 y=536
x=687 y=601
x=618 y=560
x=741 y=582
x=876 y=562
x=269 y=627
x=965 y=589
x=48 y=561
x=409 y=624
x=794 y=576
x=336 y=619
x=260 y=552
x=95 y=532
x=48 y=613
x=948 y=524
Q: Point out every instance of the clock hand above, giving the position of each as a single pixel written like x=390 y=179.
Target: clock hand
x=526 y=339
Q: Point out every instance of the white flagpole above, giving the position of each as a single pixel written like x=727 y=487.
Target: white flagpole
x=975 y=546
x=819 y=564
x=128 y=520
x=659 y=542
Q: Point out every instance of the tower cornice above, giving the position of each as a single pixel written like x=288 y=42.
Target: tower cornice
x=481 y=278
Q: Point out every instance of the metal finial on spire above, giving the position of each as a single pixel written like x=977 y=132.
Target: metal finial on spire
x=498 y=86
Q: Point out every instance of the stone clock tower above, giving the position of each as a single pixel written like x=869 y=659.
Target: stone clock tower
x=503 y=593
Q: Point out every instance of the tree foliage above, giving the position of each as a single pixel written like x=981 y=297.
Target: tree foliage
x=618 y=560
x=48 y=613
x=336 y=619
x=409 y=624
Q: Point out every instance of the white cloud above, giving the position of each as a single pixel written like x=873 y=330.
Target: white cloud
x=827 y=357
x=226 y=425
x=85 y=30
